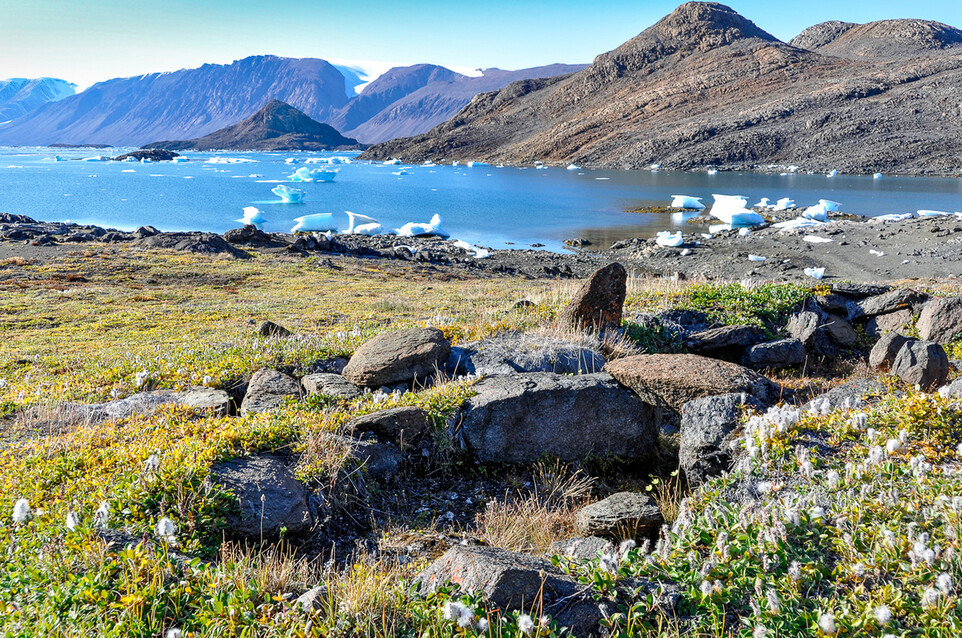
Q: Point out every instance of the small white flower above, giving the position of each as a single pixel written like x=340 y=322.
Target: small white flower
x=207 y=380
x=759 y=632
x=165 y=528
x=774 y=602
x=525 y=624
x=706 y=588
x=871 y=434
x=826 y=622
x=875 y=455
x=141 y=378
x=795 y=571
x=21 y=511
x=102 y=514
x=152 y=464
x=883 y=615
x=72 y=521
x=833 y=479
x=817 y=513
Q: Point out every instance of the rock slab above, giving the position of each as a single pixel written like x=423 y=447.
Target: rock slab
x=941 y=320
x=329 y=384
x=620 y=516
x=267 y=390
x=400 y=356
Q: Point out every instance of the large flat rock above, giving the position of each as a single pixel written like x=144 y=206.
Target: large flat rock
x=394 y=357
x=520 y=418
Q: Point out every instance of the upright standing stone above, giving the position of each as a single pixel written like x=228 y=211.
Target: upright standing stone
x=599 y=302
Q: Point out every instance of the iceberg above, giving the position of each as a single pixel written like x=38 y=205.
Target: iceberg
x=762 y=203
x=319 y=222
x=146 y=160
x=730 y=209
x=356 y=220
x=401 y=172
x=894 y=217
x=669 y=239
x=877 y=176
x=252 y=215
x=934 y=213
x=289 y=195
x=416 y=229
x=291 y=160
x=180 y=159
x=473 y=164
x=784 y=204
x=229 y=160
x=815 y=273
x=830 y=206
x=97 y=158
x=684 y=201
x=815 y=239
x=831 y=173
x=370 y=230
x=573 y=167
x=477 y=251
x=713 y=171
x=818 y=212
x=798 y=222
x=304 y=174
x=392 y=162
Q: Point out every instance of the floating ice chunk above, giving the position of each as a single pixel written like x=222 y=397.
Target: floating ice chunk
x=762 y=203
x=655 y=167
x=877 y=176
x=288 y=195
x=712 y=171
x=304 y=174
x=756 y=258
x=416 y=229
x=473 y=164
x=356 y=219
x=454 y=163
x=815 y=239
x=798 y=222
x=97 y=158
x=817 y=212
x=399 y=173
x=291 y=160
x=730 y=209
x=394 y=162
x=784 y=204
x=829 y=205
x=128 y=170
x=573 y=167
x=370 y=230
x=894 y=217
x=146 y=160
x=180 y=159
x=706 y=235
x=129 y=159
x=477 y=251
x=319 y=222
x=815 y=273
x=832 y=173
x=669 y=239
x=684 y=201
x=744 y=232
x=252 y=215
x=229 y=160
x=934 y=213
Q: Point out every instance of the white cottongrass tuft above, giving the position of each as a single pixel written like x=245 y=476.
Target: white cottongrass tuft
x=152 y=464
x=72 y=521
x=174 y=633
x=459 y=613
x=930 y=597
x=21 y=511
x=944 y=582
x=883 y=615
x=166 y=529
x=892 y=446
x=482 y=625
x=759 y=631
x=826 y=622
x=102 y=515
x=525 y=624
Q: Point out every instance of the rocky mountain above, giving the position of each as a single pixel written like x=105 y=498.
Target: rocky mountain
x=706 y=86
x=276 y=127
x=19 y=96
x=192 y=103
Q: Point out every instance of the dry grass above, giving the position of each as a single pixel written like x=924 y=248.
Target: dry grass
x=272 y=568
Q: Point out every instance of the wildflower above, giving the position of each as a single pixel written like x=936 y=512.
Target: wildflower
x=817 y=513
x=21 y=511
x=875 y=456
x=858 y=570
x=826 y=622
x=72 y=521
x=525 y=624
x=944 y=582
x=859 y=421
x=141 y=378
x=871 y=434
x=102 y=514
x=892 y=446
x=482 y=625
x=166 y=529
x=930 y=597
x=774 y=602
x=459 y=613
x=206 y=380
x=608 y=564
x=625 y=547
x=883 y=615
x=833 y=479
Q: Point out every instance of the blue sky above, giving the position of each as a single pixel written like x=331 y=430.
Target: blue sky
x=90 y=40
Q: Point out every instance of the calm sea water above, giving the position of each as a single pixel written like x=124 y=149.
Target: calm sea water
x=494 y=207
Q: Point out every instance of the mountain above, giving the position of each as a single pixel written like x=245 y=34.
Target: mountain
x=19 y=96
x=181 y=104
x=706 y=86
x=192 y=103
x=276 y=127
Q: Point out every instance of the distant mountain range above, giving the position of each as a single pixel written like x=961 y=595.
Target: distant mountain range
x=192 y=103
x=276 y=127
x=706 y=86
x=20 y=96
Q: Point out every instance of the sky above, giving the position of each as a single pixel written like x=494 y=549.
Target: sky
x=86 y=41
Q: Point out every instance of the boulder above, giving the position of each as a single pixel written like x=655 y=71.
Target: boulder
x=400 y=356
x=271 y=329
x=899 y=299
x=885 y=350
x=400 y=425
x=580 y=548
x=922 y=363
x=706 y=446
x=520 y=418
x=620 y=516
x=941 y=320
x=518 y=352
x=832 y=303
x=249 y=234
x=208 y=400
x=687 y=320
x=379 y=460
x=850 y=394
x=599 y=302
x=672 y=380
x=952 y=390
x=269 y=498
x=329 y=384
x=899 y=321
x=267 y=390
x=726 y=341
x=839 y=330
x=784 y=353
x=806 y=327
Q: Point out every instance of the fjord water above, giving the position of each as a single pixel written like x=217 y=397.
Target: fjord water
x=482 y=204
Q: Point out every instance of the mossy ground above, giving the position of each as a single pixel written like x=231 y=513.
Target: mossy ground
x=81 y=328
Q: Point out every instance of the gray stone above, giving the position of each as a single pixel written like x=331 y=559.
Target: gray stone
x=599 y=302
x=732 y=340
x=402 y=425
x=922 y=363
x=267 y=390
x=379 y=460
x=899 y=299
x=313 y=599
x=832 y=303
x=521 y=418
x=952 y=390
x=839 y=330
x=941 y=320
x=885 y=350
x=859 y=291
x=672 y=380
x=805 y=326
x=396 y=357
x=850 y=394
x=329 y=384
x=207 y=400
x=706 y=446
x=271 y=329
x=899 y=321
x=620 y=516
x=580 y=548
x=688 y=320
x=518 y=352
x=269 y=498
x=785 y=353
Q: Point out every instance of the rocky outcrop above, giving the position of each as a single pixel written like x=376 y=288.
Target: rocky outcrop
x=206 y=400
x=598 y=303
x=672 y=380
x=330 y=384
x=400 y=356
x=784 y=353
x=403 y=426
x=886 y=349
x=621 y=516
x=521 y=418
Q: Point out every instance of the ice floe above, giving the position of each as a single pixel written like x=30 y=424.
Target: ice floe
x=894 y=217
x=252 y=215
x=473 y=164
x=229 y=160
x=686 y=201
x=877 y=176
x=573 y=167
x=756 y=258
x=669 y=239
x=784 y=203
x=288 y=195
x=730 y=209
x=832 y=173
x=96 y=158
x=815 y=273
x=712 y=171
x=420 y=229
x=934 y=213
x=358 y=224
x=318 y=222
x=305 y=174
x=394 y=162
x=798 y=222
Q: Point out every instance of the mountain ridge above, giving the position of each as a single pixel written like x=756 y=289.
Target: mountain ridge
x=20 y=96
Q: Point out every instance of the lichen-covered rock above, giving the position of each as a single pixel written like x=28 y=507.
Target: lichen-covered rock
x=705 y=449
x=599 y=302
x=267 y=390
x=922 y=363
x=400 y=356
x=784 y=353
x=885 y=350
x=330 y=384
x=941 y=320
x=620 y=516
